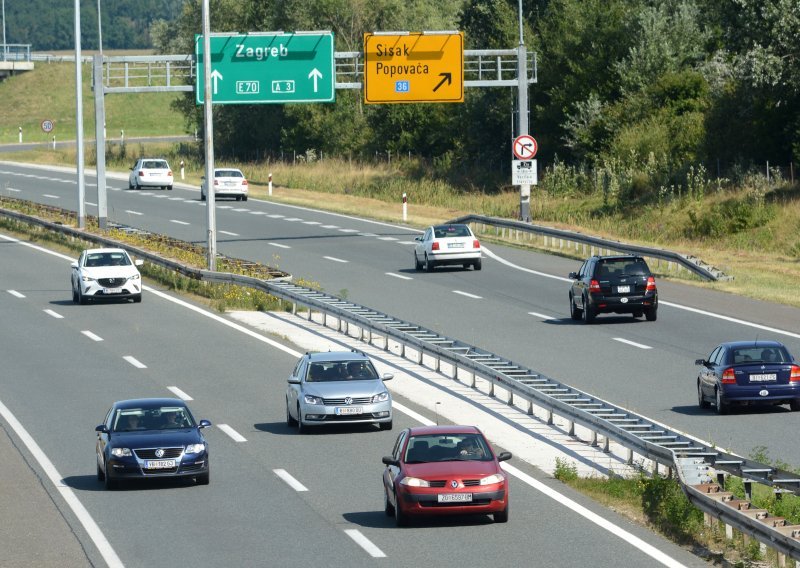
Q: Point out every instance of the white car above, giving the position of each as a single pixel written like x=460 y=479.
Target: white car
x=228 y=182
x=150 y=172
x=107 y=274
x=447 y=245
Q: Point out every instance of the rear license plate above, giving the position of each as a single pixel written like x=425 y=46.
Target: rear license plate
x=455 y=245
x=623 y=289
x=113 y=290
x=455 y=498
x=763 y=378
x=159 y=464
x=348 y=410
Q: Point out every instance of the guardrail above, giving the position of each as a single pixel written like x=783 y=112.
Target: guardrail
x=15 y=52
x=568 y=238
x=701 y=469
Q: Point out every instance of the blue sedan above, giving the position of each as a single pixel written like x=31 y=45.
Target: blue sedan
x=747 y=373
x=151 y=438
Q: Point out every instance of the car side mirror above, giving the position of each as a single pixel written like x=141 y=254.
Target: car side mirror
x=293 y=381
x=700 y=362
x=74 y=264
x=504 y=456
x=138 y=262
x=418 y=238
x=387 y=376
x=573 y=275
x=389 y=460
x=204 y=424
x=101 y=428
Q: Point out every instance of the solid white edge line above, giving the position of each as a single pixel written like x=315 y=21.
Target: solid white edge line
x=91 y=527
x=633 y=343
x=648 y=549
x=365 y=543
x=467 y=294
x=290 y=480
x=232 y=433
x=135 y=362
x=400 y=276
x=91 y=335
x=50 y=312
x=15 y=293
x=179 y=393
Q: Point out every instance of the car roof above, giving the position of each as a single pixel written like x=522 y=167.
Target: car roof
x=337 y=356
x=445 y=225
x=752 y=343
x=442 y=430
x=103 y=250
x=619 y=257
x=227 y=170
x=139 y=402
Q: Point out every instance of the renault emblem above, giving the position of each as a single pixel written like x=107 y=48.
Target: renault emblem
x=454 y=484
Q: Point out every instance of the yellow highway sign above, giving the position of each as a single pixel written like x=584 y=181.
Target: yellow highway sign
x=414 y=67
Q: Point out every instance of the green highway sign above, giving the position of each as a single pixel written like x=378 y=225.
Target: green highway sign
x=268 y=68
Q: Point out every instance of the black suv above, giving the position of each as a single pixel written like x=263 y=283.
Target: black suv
x=613 y=284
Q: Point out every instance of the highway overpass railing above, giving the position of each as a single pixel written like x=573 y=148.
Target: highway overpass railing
x=572 y=241
x=702 y=469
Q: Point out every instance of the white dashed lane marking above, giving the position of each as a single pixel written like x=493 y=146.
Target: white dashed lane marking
x=229 y=233
x=51 y=196
x=365 y=543
x=133 y=212
x=15 y=293
x=400 y=276
x=544 y=317
x=279 y=245
x=135 y=362
x=54 y=314
x=179 y=393
x=178 y=222
x=232 y=433
x=334 y=259
x=91 y=335
x=290 y=481
x=467 y=294
x=633 y=343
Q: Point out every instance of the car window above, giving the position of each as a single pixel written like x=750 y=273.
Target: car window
x=326 y=371
x=618 y=267
x=448 y=447
x=447 y=231
x=714 y=356
x=360 y=370
x=155 y=165
x=229 y=173
x=755 y=354
x=398 y=444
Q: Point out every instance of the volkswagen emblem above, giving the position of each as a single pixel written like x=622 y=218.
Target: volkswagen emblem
x=763 y=367
x=348 y=400
x=159 y=453
x=454 y=484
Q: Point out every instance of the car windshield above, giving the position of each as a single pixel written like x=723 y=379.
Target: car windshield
x=107 y=259
x=229 y=174
x=155 y=165
x=151 y=418
x=447 y=231
x=447 y=447
x=623 y=267
x=326 y=371
x=755 y=354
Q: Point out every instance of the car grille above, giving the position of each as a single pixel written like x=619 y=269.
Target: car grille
x=466 y=482
x=368 y=417
x=474 y=502
x=192 y=467
x=341 y=402
x=111 y=282
x=150 y=453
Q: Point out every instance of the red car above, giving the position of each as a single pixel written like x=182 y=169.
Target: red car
x=444 y=470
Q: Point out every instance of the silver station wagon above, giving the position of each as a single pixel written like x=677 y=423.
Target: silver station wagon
x=337 y=387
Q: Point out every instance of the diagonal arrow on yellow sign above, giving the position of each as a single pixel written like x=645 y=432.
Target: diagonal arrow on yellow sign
x=414 y=67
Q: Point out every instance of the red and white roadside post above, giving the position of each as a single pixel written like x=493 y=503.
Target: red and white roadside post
x=405 y=208
x=183 y=171
x=20 y=135
x=270 y=183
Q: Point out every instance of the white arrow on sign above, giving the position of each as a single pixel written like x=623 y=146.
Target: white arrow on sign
x=316 y=75
x=215 y=76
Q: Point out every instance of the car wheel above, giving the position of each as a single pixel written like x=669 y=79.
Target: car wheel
x=75 y=298
x=169 y=188
x=502 y=516
x=794 y=405
x=388 y=508
x=205 y=478
x=244 y=198
x=588 y=312
x=429 y=264
x=385 y=425
x=574 y=312
x=701 y=400
x=400 y=517
x=637 y=314
x=110 y=484
x=82 y=300
x=301 y=428
x=291 y=422
x=477 y=264
x=100 y=475
x=722 y=406
x=130 y=185
x=136 y=185
x=651 y=313
x=417 y=263
x=137 y=299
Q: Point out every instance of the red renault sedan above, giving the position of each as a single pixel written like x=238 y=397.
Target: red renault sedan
x=444 y=470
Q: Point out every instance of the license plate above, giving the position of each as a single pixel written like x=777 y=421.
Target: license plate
x=455 y=498
x=763 y=378
x=230 y=183
x=623 y=289
x=455 y=245
x=113 y=290
x=348 y=410
x=159 y=464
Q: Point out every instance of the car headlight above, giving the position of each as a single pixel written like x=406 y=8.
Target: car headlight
x=310 y=399
x=381 y=397
x=414 y=482
x=195 y=448
x=496 y=478
x=86 y=278
x=121 y=452
x=136 y=276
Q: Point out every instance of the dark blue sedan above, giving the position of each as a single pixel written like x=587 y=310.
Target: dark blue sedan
x=748 y=372
x=151 y=438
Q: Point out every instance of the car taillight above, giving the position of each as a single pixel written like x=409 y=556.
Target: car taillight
x=476 y=244
x=216 y=182
x=169 y=173
x=141 y=174
x=794 y=377
x=728 y=378
x=651 y=284
x=594 y=287
x=434 y=245
x=244 y=182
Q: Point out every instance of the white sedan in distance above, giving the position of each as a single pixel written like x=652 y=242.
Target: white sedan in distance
x=106 y=274
x=454 y=244
x=150 y=172
x=228 y=182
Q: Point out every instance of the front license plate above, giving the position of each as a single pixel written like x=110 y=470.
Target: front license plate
x=348 y=410
x=113 y=290
x=455 y=498
x=623 y=289
x=159 y=464
x=763 y=378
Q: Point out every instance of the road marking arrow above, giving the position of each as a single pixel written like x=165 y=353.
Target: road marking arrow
x=445 y=77
x=315 y=73
x=215 y=76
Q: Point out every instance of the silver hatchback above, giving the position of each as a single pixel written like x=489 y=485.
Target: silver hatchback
x=337 y=387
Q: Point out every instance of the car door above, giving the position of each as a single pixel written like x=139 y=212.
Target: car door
x=293 y=390
x=391 y=472
x=102 y=440
x=707 y=376
x=579 y=284
x=422 y=242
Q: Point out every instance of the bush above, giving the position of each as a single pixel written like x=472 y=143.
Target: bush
x=565 y=471
x=668 y=508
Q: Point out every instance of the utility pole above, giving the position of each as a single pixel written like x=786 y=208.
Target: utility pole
x=79 y=118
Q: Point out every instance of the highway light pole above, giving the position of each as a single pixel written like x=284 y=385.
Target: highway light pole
x=99 y=30
x=79 y=117
x=208 y=123
x=522 y=116
x=4 y=30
